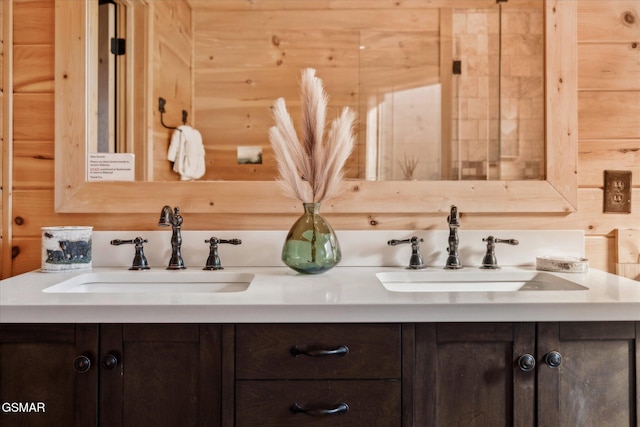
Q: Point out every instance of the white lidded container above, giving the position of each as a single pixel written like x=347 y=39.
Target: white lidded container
x=66 y=248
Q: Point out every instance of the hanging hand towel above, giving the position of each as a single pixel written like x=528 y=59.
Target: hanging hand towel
x=186 y=151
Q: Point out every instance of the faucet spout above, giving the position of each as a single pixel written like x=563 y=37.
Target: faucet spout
x=454 y=217
x=453 y=260
x=172 y=217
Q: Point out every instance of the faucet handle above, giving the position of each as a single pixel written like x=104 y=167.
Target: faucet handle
x=489 y=261
x=415 y=262
x=213 y=261
x=139 y=260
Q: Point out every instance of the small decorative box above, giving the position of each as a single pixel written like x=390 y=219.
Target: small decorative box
x=66 y=248
x=562 y=264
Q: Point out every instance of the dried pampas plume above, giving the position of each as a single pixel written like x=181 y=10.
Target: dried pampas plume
x=311 y=168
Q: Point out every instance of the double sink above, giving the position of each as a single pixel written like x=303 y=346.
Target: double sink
x=197 y=281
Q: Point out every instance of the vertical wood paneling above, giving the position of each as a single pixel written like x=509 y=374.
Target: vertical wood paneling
x=172 y=44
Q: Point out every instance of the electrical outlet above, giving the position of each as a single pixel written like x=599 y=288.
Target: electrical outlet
x=617 y=191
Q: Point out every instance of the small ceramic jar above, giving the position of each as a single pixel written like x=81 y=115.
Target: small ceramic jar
x=66 y=248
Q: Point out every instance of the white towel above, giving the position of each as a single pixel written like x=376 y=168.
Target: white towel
x=186 y=151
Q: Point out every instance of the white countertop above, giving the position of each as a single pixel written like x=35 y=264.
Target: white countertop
x=343 y=294
x=348 y=293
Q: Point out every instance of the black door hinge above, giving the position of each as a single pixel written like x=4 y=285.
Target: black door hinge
x=117 y=46
x=457 y=67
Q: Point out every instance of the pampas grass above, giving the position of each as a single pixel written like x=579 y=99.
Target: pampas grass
x=409 y=166
x=311 y=168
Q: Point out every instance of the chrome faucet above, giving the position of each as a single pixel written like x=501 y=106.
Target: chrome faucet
x=453 y=260
x=173 y=219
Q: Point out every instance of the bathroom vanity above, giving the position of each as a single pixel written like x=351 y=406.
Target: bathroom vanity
x=263 y=345
x=390 y=374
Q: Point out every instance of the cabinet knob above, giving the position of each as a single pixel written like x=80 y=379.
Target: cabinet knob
x=109 y=361
x=526 y=362
x=81 y=363
x=553 y=359
x=341 y=350
x=341 y=408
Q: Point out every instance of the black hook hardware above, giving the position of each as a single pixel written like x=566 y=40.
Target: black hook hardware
x=161 y=103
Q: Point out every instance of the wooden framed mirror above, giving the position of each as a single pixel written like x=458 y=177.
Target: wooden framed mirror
x=557 y=193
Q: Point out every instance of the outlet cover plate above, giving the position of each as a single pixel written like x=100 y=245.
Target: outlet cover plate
x=617 y=191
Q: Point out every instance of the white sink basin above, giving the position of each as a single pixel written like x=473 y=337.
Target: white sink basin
x=156 y=282
x=475 y=280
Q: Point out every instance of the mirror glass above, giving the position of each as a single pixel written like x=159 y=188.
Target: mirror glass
x=76 y=129
x=444 y=90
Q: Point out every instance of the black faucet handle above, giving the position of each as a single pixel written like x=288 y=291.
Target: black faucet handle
x=489 y=261
x=415 y=262
x=231 y=241
x=507 y=241
x=213 y=260
x=412 y=240
x=139 y=260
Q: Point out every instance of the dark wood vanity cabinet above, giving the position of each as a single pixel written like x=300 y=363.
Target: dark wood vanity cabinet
x=48 y=375
x=598 y=380
x=415 y=374
x=111 y=375
x=468 y=374
x=160 y=375
x=527 y=374
x=318 y=375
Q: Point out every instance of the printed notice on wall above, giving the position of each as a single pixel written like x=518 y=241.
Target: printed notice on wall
x=111 y=167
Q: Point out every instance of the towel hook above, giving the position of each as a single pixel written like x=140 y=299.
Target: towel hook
x=161 y=103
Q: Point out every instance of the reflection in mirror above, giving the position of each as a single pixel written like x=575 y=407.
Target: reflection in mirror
x=107 y=75
x=443 y=93
x=75 y=125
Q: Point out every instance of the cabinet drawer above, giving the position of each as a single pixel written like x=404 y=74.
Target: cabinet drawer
x=318 y=351
x=367 y=403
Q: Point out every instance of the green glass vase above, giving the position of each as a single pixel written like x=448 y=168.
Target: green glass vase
x=311 y=246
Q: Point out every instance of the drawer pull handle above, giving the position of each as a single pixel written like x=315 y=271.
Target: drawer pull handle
x=342 y=350
x=341 y=408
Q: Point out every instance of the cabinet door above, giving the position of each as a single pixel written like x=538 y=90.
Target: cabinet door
x=469 y=374
x=595 y=383
x=160 y=375
x=48 y=375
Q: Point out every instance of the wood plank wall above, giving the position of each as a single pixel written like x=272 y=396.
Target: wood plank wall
x=609 y=138
x=4 y=153
x=172 y=75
